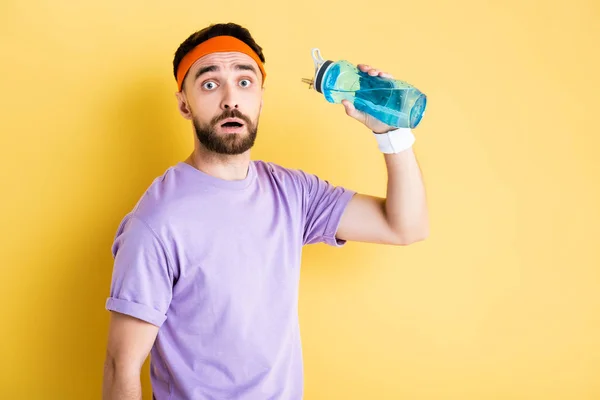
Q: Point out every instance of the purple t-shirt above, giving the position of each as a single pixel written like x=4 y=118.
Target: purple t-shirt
x=215 y=265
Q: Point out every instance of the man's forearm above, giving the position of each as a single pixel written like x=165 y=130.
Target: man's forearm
x=405 y=205
x=119 y=385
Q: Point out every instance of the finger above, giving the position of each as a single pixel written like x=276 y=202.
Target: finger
x=386 y=75
x=363 y=67
x=351 y=111
x=374 y=72
x=349 y=107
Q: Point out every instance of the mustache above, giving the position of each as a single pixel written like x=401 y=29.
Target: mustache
x=231 y=113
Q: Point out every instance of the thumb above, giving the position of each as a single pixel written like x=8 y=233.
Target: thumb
x=352 y=111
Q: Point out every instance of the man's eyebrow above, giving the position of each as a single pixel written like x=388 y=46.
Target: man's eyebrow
x=214 y=68
x=203 y=70
x=246 y=67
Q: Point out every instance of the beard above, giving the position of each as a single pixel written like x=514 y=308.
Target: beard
x=226 y=143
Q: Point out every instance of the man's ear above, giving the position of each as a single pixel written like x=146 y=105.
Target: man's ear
x=262 y=98
x=183 y=106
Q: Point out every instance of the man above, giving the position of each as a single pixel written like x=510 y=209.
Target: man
x=207 y=263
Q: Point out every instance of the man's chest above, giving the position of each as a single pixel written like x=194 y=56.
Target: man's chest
x=241 y=255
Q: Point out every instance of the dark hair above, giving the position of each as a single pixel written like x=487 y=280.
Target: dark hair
x=229 y=29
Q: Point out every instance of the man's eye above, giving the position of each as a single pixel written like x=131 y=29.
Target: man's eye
x=245 y=82
x=209 y=85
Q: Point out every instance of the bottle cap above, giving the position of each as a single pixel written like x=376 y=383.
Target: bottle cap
x=321 y=67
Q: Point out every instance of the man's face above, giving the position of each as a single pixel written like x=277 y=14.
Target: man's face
x=223 y=98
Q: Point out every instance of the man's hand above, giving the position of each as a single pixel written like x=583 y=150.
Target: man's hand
x=369 y=121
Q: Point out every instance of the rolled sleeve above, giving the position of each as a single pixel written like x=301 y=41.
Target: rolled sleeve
x=140 y=311
x=142 y=278
x=335 y=217
x=324 y=207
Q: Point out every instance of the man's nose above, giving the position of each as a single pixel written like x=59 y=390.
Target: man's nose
x=229 y=100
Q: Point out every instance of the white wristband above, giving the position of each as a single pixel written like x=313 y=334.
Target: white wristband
x=395 y=141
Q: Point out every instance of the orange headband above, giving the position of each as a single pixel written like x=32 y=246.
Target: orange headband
x=215 y=45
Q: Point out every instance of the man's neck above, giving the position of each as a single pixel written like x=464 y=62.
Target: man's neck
x=226 y=167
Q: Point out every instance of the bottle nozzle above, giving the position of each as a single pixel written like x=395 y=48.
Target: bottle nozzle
x=310 y=82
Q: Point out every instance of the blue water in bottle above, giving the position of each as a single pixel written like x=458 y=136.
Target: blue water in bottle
x=391 y=101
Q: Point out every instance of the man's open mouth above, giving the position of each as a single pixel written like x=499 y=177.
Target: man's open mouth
x=232 y=125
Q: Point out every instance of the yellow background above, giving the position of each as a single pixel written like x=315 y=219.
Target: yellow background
x=501 y=302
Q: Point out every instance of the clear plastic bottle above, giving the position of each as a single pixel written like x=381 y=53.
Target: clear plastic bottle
x=391 y=101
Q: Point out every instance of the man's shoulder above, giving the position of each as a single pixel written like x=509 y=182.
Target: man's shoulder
x=158 y=198
x=279 y=171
